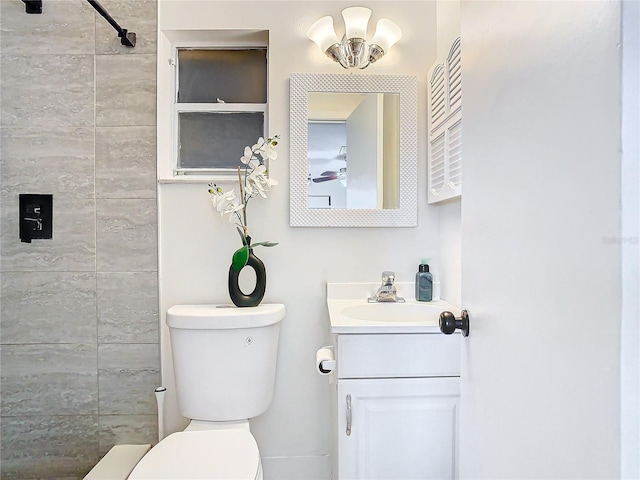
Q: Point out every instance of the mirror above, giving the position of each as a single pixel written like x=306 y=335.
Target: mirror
x=353 y=150
x=366 y=126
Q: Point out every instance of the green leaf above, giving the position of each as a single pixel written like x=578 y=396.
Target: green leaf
x=240 y=258
x=264 y=244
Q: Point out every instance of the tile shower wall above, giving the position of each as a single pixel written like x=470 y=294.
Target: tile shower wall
x=78 y=314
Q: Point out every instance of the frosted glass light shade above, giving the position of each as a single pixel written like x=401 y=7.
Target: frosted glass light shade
x=323 y=33
x=356 y=20
x=387 y=34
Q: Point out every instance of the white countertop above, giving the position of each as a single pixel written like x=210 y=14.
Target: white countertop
x=343 y=295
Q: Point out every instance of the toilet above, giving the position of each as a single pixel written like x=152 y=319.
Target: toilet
x=224 y=360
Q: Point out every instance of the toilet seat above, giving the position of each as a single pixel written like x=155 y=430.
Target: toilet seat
x=204 y=454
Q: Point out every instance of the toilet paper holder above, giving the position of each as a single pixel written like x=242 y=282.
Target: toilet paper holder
x=325 y=360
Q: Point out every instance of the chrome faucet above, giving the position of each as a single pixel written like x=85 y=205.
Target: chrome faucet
x=387 y=291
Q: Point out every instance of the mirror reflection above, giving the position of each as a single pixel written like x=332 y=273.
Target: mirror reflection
x=353 y=150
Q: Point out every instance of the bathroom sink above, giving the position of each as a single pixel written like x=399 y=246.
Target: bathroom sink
x=349 y=311
x=393 y=312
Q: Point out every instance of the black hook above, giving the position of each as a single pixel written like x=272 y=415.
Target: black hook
x=449 y=323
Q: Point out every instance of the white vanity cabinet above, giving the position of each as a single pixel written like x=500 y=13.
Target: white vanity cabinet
x=397 y=399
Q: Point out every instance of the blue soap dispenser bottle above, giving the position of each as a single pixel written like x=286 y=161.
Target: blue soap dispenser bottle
x=424 y=283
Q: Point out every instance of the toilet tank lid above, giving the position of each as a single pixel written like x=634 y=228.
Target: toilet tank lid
x=224 y=317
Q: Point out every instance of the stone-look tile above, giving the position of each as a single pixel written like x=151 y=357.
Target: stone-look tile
x=55 y=160
x=49 y=446
x=65 y=26
x=47 y=90
x=72 y=247
x=126 y=162
x=48 y=307
x=127 y=236
x=128 y=307
x=136 y=429
x=139 y=16
x=56 y=379
x=127 y=377
x=125 y=90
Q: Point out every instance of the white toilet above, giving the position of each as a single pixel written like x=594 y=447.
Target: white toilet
x=224 y=360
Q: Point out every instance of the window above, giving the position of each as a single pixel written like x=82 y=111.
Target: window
x=220 y=106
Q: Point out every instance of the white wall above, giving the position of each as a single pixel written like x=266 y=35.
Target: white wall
x=196 y=246
x=630 y=337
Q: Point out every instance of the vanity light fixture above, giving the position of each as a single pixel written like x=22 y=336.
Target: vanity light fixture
x=352 y=50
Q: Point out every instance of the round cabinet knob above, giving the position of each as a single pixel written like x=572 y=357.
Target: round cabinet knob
x=449 y=323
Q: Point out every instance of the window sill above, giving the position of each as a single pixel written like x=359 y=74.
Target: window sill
x=198 y=179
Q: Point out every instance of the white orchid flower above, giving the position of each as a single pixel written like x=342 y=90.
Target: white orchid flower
x=230 y=207
x=259 y=181
x=268 y=152
x=248 y=155
x=253 y=185
x=259 y=145
x=258 y=170
x=267 y=182
x=226 y=202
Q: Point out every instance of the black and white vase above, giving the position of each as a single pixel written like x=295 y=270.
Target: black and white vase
x=238 y=297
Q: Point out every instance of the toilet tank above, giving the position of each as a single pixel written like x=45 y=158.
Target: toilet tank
x=224 y=359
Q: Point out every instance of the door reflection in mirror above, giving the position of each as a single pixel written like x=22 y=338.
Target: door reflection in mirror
x=327 y=164
x=353 y=150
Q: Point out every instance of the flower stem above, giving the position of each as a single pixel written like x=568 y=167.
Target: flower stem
x=244 y=201
x=240 y=184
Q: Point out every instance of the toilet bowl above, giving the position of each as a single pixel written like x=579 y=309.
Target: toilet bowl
x=224 y=362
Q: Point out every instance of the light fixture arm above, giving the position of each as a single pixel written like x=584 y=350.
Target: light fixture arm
x=334 y=52
x=354 y=49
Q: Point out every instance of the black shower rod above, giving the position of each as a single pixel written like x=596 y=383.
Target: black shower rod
x=126 y=38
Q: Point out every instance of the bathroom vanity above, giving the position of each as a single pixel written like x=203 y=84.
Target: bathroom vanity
x=396 y=391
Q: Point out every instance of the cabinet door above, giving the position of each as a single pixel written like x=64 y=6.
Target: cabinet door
x=400 y=428
x=445 y=127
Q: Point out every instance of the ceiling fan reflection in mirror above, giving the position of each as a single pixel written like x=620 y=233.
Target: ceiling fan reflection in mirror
x=332 y=175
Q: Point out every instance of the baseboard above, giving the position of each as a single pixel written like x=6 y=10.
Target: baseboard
x=297 y=468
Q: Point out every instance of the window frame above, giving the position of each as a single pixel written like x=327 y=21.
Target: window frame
x=169 y=109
